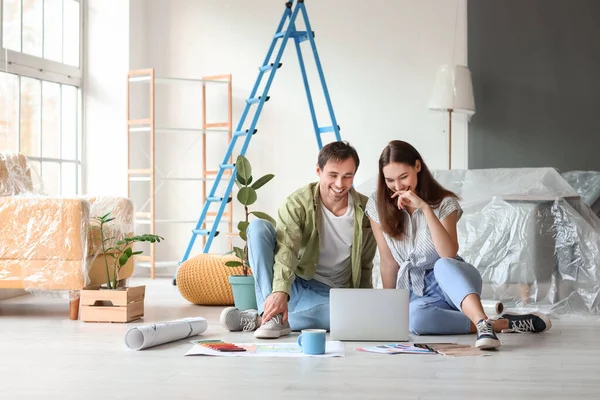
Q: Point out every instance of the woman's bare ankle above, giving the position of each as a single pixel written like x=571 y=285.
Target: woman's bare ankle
x=500 y=325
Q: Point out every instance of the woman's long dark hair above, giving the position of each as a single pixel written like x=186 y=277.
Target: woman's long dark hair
x=428 y=189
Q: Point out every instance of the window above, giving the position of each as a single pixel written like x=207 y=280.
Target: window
x=40 y=88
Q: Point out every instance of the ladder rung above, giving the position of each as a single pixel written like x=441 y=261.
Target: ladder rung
x=214 y=214
x=216 y=199
x=243 y=133
x=225 y=173
x=265 y=68
x=299 y=34
x=256 y=99
x=139 y=121
x=226 y=166
x=326 y=129
x=203 y=232
x=139 y=171
x=140 y=214
x=217 y=125
x=143 y=258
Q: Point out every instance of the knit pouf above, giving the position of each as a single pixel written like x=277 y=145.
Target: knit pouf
x=203 y=279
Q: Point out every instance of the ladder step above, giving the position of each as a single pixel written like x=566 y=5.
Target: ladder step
x=145 y=121
x=217 y=125
x=256 y=99
x=243 y=133
x=216 y=199
x=226 y=174
x=326 y=129
x=299 y=34
x=203 y=232
x=226 y=166
x=269 y=67
x=139 y=171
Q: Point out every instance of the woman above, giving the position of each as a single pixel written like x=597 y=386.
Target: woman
x=414 y=222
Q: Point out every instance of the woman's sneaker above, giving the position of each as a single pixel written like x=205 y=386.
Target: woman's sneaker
x=527 y=323
x=273 y=328
x=235 y=320
x=486 y=338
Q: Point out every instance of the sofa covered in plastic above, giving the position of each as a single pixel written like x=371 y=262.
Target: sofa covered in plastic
x=49 y=244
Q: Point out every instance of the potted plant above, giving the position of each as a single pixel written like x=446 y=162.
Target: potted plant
x=112 y=302
x=243 y=285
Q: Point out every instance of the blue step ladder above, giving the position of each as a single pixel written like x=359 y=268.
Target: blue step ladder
x=282 y=35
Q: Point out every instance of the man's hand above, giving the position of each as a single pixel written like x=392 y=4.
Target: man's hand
x=276 y=303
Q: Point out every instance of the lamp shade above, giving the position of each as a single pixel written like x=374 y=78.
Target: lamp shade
x=453 y=90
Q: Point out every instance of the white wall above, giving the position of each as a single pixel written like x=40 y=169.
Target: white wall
x=379 y=60
x=106 y=65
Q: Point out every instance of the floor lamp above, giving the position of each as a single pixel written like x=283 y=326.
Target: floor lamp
x=452 y=93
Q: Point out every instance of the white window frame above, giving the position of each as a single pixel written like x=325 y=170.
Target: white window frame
x=31 y=66
x=40 y=68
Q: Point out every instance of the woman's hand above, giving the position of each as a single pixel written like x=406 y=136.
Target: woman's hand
x=406 y=198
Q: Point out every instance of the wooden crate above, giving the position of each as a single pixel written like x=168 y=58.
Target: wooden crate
x=119 y=305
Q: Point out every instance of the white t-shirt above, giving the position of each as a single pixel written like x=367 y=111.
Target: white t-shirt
x=335 y=247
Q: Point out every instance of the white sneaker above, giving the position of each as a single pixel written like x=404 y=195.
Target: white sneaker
x=235 y=320
x=273 y=328
x=486 y=337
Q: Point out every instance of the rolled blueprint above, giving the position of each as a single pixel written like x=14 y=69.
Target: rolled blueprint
x=142 y=337
x=493 y=305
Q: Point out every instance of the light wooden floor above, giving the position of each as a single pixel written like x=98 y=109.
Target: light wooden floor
x=45 y=355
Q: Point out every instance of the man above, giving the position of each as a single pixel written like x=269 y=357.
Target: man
x=323 y=240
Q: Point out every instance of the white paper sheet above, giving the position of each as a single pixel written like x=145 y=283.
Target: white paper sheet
x=142 y=337
x=332 y=349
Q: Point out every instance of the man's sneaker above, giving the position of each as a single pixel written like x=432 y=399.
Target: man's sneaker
x=527 y=323
x=273 y=328
x=235 y=320
x=486 y=338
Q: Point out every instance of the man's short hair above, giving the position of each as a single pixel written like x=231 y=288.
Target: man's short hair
x=337 y=151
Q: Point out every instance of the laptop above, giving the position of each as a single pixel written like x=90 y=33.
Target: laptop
x=369 y=315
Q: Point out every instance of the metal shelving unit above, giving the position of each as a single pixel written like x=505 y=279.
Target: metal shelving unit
x=146 y=214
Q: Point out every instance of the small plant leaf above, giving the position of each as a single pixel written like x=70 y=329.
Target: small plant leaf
x=262 y=181
x=243 y=167
x=247 y=196
x=233 y=264
x=239 y=253
x=264 y=216
x=243 y=236
x=241 y=180
x=238 y=184
x=123 y=259
x=242 y=226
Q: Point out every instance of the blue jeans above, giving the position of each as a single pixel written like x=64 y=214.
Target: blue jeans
x=308 y=306
x=437 y=312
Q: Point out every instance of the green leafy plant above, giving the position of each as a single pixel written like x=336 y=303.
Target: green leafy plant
x=122 y=251
x=247 y=196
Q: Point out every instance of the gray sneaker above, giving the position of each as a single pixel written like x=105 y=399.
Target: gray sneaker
x=235 y=320
x=273 y=328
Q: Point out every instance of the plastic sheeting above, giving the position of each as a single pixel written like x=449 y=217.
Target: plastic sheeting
x=528 y=232
x=51 y=245
x=587 y=184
